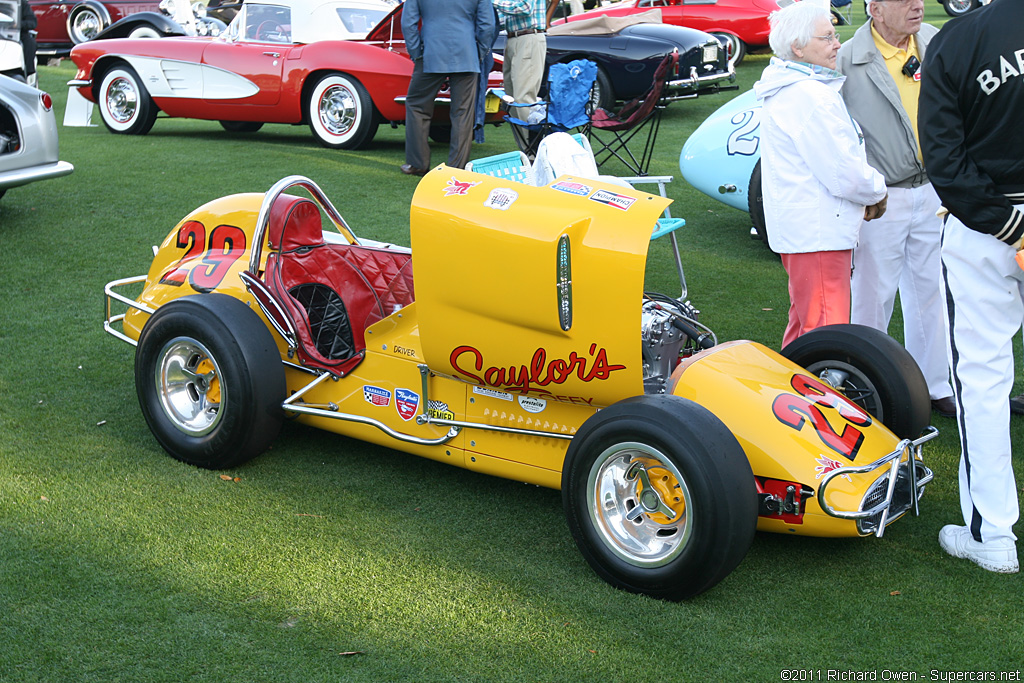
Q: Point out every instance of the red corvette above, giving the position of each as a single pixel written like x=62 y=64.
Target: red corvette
x=741 y=25
x=278 y=62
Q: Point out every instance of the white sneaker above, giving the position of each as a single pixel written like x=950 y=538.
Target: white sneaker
x=999 y=555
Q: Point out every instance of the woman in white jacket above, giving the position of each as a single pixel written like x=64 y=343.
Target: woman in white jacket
x=816 y=182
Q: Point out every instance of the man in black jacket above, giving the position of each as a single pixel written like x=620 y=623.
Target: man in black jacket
x=972 y=94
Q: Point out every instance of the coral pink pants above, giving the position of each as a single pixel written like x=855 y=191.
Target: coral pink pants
x=819 y=290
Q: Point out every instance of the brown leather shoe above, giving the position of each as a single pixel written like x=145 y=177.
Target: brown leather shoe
x=944 y=406
x=412 y=170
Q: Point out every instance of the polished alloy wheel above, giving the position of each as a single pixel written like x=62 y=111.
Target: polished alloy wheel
x=640 y=504
x=188 y=384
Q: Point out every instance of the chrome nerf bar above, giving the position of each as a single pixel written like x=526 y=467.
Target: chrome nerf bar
x=913 y=449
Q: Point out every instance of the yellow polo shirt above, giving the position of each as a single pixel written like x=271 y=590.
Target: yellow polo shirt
x=909 y=88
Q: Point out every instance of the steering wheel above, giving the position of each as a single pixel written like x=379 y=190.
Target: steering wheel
x=267 y=30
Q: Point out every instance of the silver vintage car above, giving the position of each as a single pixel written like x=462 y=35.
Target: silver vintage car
x=28 y=136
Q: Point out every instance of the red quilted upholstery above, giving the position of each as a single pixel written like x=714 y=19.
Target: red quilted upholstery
x=388 y=272
x=372 y=283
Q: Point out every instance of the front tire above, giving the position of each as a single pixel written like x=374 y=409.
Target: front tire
x=125 y=105
x=755 y=204
x=145 y=31
x=341 y=113
x=871 y=369
x=210 y=381
x=659 y=496
x=84 y=23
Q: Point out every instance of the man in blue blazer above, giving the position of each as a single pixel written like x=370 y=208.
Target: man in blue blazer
x=447 y=40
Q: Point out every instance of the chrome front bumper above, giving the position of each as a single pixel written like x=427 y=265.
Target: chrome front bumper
x=893 y=494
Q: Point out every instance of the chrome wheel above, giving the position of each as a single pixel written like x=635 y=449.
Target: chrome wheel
x=124 y=104
x=188 y=384
x=337 y=110
x=851 y=382
x=640 y=504
x=84 y=25
x=341 y=113
x=121 y=99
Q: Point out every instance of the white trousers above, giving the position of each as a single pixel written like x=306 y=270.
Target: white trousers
x=900 y=250
x=984 y=308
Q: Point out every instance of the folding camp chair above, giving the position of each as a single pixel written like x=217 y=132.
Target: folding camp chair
x=564 y=109
x=842 y=12
x=611 y=134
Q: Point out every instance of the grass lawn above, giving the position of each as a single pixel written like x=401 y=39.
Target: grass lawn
x=328 y=559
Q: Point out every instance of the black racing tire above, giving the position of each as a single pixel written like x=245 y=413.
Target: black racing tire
x=341 y=113
x=603 y=95
x=210 y=381
x=870 y=368
x=755 y=204
x=241 y=126
x=124 y=103
x=679 y=473
x=956 y=8
x=735 y=49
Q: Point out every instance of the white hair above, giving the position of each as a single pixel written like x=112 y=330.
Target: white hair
x=793 y=26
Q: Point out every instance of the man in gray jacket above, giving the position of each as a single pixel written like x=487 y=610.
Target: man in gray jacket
x=447 y=40
x=882 y=65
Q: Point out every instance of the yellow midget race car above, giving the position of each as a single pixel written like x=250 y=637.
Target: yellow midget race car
x=522 y=345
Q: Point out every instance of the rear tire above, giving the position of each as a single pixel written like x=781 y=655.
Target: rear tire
x=735 y=49
x=210 y=380
x=871 y=369
x=341 y=114
x=659 y=496
x=603 y=96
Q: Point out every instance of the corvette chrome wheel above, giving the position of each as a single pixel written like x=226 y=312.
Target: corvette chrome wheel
x=124 y=103
x=341 y=113
x=659 y=496
x=188 y=384
x=639 y=504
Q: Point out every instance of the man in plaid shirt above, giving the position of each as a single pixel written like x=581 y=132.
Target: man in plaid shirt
x=525 y=50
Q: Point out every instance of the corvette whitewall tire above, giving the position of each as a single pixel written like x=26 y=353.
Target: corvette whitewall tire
x=124 y=103
x=341 y=114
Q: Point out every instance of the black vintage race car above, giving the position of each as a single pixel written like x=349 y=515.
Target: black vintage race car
x=627 y=50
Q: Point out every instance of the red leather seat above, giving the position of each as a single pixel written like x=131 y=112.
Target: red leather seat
x=332 y=292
